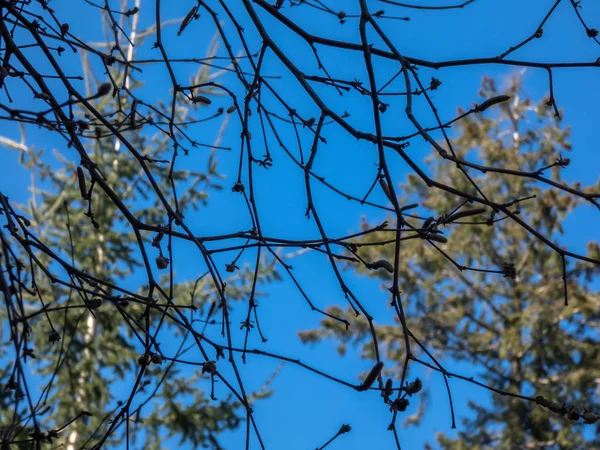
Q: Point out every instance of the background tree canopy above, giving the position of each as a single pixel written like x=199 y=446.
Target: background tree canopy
x=286 y=225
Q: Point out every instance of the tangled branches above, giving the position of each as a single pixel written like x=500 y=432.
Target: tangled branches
x=104 y=255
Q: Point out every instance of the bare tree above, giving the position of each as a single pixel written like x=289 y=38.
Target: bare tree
x=109 y=264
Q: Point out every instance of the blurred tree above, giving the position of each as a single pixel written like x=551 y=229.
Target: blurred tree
x=85 y=345
x=514 y=329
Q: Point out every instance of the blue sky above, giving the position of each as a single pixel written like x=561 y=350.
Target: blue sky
x=306 y=410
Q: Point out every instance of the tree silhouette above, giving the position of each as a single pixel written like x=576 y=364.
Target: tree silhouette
x=132 y=280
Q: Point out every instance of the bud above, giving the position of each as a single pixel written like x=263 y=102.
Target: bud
x=371 y=377
x=491 y=102
x=509 y=270
x=54 y=337
x=201 y=99
x=104 y=89
x=407 y=207
x=386 y=189
x=387 y=390
x=344 y=429
x=162 y=262
x=590 y=418
x=209 y=367
x=400 y=404
x=186 y=21
x=434 y=84
x=414 y=387
x=310 y=122
x=436 y=238
x=573 y=415
x=463 y=214
x=94 y=303
x=82 y=186
x=381 y=264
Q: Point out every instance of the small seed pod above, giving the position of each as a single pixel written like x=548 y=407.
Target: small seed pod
x=54 y=337
x=381 y=264
x=310 y=122
x=144 y=360
x=434 y=84
x=231 y=109
x=463 y=214
x=201 y=99
x=400 y=404
x=83 y=125
x=104 y=89
x=82 y=186
x=156 y=358
x=436 y=238
x=11 y=385
x=344 y=429
x=162 y=262
x=388 y=391
x=414 y=387
x=509 y=270
x=407 y=207
x=427 y=223
x=491 y=102
x=209 y=367
x=371 y=377
x=238 y=187
x=231 y=267
x=386 y=189
x=186 y=21
x=94 y=303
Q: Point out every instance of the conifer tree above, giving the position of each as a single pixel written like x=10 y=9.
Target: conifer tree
x=76 y=306
x=514 y=327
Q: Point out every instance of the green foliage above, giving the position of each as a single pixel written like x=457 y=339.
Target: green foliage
x=85 y=347
x=515 y=331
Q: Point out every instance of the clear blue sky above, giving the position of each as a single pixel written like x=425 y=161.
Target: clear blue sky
x=305 y=409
